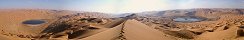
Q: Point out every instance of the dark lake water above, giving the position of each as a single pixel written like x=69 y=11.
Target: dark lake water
x=34 y=22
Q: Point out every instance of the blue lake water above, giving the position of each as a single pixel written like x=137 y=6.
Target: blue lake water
x=187 y=19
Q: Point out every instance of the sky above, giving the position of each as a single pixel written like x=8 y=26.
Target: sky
x=120 y=6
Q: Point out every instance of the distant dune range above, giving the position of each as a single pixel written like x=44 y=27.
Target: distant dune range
x=216 y=23
x=181 y=24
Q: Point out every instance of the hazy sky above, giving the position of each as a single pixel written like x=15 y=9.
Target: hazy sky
x=121 y=6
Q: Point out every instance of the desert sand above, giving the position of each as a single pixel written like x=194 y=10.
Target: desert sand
x=185 y=24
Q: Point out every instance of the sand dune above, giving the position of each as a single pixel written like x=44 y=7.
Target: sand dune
x=134 y=30
x=11 y=22
x=198 y=24
x=130 y=30
x=110 y=34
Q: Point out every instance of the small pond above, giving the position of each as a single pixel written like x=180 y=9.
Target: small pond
x=33 y=22
x=188 y=19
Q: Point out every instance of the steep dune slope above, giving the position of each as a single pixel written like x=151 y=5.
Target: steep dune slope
x=110 y=34
x=131 y=30
x=134 y=30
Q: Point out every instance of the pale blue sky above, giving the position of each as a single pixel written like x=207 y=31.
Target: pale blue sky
x=120 y=6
